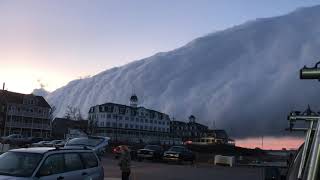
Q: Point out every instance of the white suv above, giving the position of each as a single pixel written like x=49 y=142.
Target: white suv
x=50 y=163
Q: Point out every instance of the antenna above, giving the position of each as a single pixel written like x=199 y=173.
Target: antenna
x=3 y=85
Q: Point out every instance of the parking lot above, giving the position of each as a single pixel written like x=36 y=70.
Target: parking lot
x=148 y=170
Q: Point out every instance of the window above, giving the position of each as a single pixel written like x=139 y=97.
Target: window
x=114 y=116
x=131 y=126
x=102 y=124
x=109 y=116
x=120 y=125
x=122 y=110
x=126 y=126
x=146 y=120
x=137 y=119
x=137 y=126
x=19 y=163
x=72 y=162
x=127 y=119
x=54 y=164
x=120 y=117
x=89 y=160
x=151 y=121
x=108 y=124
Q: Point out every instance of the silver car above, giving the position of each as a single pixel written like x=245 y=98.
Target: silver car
x=44 y=163
x=96 y=143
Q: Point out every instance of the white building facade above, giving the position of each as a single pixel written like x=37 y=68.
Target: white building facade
x=129 y=123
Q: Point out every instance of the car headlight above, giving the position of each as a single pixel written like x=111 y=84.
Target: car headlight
x=150 y=152
x=138 y=151
x=176 y=155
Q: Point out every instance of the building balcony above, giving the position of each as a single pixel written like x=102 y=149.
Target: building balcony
x=28 y=125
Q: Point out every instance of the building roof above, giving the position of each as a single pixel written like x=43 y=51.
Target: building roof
x=220 y=133
x=17 y=98
x=179 y=122
x=135 y=108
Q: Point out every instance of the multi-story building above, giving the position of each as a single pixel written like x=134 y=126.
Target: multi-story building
x=24 y=114
x=188 y=130
x=129 y=123
x=198 y=133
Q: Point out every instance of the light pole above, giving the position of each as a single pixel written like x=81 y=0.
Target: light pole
x=312 y=138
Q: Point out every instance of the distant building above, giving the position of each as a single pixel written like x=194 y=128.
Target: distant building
x=216 y=136
x=129 y=123
x=198 y=133
x=62 y=126
x=189 y=130
x=24 y=114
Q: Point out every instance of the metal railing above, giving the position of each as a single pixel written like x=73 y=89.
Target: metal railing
x=310 y=160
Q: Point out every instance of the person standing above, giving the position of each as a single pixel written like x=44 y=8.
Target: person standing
x=125 y=163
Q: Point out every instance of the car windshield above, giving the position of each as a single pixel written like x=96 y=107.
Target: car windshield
x=177 y=149
x=85 y=142
x=19 y=164
x=152 y=147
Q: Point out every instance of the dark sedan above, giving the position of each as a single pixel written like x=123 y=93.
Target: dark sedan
x=152 y=152
x=178 y=154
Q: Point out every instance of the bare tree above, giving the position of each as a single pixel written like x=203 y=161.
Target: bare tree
x=53 y=109
x=73 y=113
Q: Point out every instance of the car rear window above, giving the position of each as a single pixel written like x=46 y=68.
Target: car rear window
x=89 y=160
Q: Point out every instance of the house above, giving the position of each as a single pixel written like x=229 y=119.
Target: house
x=24 y=114
x=188 y=130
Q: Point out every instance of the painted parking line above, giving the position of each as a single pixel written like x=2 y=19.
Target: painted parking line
x=112 y=178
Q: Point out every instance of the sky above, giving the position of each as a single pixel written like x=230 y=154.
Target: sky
x=53 y=42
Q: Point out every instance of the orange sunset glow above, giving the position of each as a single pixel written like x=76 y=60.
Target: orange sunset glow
x=270 y=143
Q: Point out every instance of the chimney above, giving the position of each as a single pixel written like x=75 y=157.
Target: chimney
x=3 y=86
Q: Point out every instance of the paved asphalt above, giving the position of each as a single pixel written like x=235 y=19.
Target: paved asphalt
x=148 y=170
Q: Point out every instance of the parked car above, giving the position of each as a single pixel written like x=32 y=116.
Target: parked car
x=152 y=152
x=34 y=140
x=97 y=143
x=15 y=139
x=179 y=154
x=39 y=144
x=117 y=152
x=44 y=163
x=52 y=143
x=61 y=143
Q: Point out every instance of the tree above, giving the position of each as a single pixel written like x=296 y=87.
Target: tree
x=73 y=113
x=53 y=109
x=92 y=126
